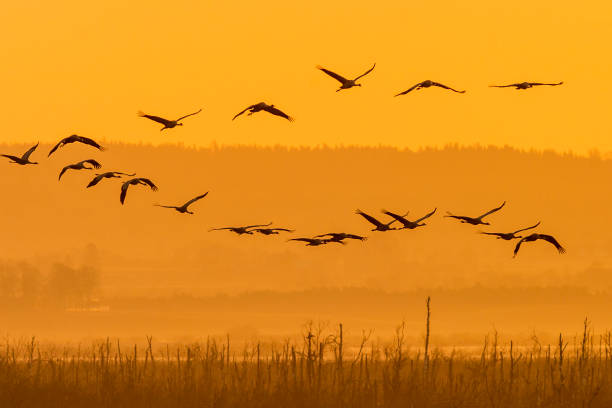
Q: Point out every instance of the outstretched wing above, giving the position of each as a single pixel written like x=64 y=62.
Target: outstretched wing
x=186 y=116
x=149 y=183
x=309 y=240
x=188 y=203
x=60 y=143
x=124 y=189
x=493 y=210
x=258 y=225
x=9 y=156
x=27 y=154
x=87 y=141
x=446 y=87
x=64 y=170
x=157 y=119
x=497 y=234
x=553 y=241
x=165 y=206
x=95 y=180
x=94 y=163
x=458 y=217
x=426 y=216
x=544 y=83
x=282 y=229
x=525 y=229
x=353 y=236
x=365 y=73
x=241 y=112
x=123 y=174
x=518 y=246
x=397 y=217
x=370 y=218
x=412 y=88
x=220 y=229
x=332 y=74
x=278 y=112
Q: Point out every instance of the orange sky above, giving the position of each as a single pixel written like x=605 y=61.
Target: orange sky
x=75 y=67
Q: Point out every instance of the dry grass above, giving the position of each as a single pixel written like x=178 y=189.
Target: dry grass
x=316 y=371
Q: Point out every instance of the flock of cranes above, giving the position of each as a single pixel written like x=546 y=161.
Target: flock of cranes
x=265 y=229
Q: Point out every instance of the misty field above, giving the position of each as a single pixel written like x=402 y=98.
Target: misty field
x=318 y=370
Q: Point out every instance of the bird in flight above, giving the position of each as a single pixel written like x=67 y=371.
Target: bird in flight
x=183 y=209
x=271 y=231
x=73 y=139
x=477 y=220
x=168 y=124
x=23 y=160
x=241 y=230
x=265 y=107
x=525 y=85
x=410 y=224
x=340 y=236
x=507 y=236
x=315 y=241
x=379 y=226
x=110 y=174
x=534 y=237
x=134 y=182
x=80 y=166
x=346 y=83
x=427 y=84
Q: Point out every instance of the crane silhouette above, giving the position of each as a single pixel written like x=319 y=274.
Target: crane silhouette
x=241 y=230
x=262 y=106
x=109 y=174
x=271 y=231
x=134 y=182
x=183 y=209
x=507 y=236
x=315 y=241
x=75 y=139
x=410 y=224
x=476 y=220
x=379 y=226
x=427 y=84
x=525 y=85
x=535 y=237
x=346 y=83
x=80 y=166
x=24 y=159
x=168 y=124
x=340 y=236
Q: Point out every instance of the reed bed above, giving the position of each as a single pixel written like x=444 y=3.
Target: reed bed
x=316 y=370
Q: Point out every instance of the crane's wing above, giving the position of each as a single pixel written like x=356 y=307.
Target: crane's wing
x=497 y=234
x=412 y=88
x=517 y=247
x=426 y=216
x=241 y=112
x=365 y=73
x=95 y=180
x=553 y=241
x=94 y=163
x=14 y=158
x=525 y=229
x=220 y=229
x=282 y=229
x=27 y=154
x=278 y=112
x=504 y=86
x=157 y=119
x=258 y=225
x=332 y=74
x=458 y=217
x=64 y=170
x=353 y=236
x=188 y=203
x=87 y=141
x=309 y=240
x=493 y=210
x=149 y=183
x=59 y=144
x=544 y=83
x=186 y=116
x=165 y=206
x=446 y=87
x=124 y=189
x=331 y=234
x=397 y=217
x=370 y=218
